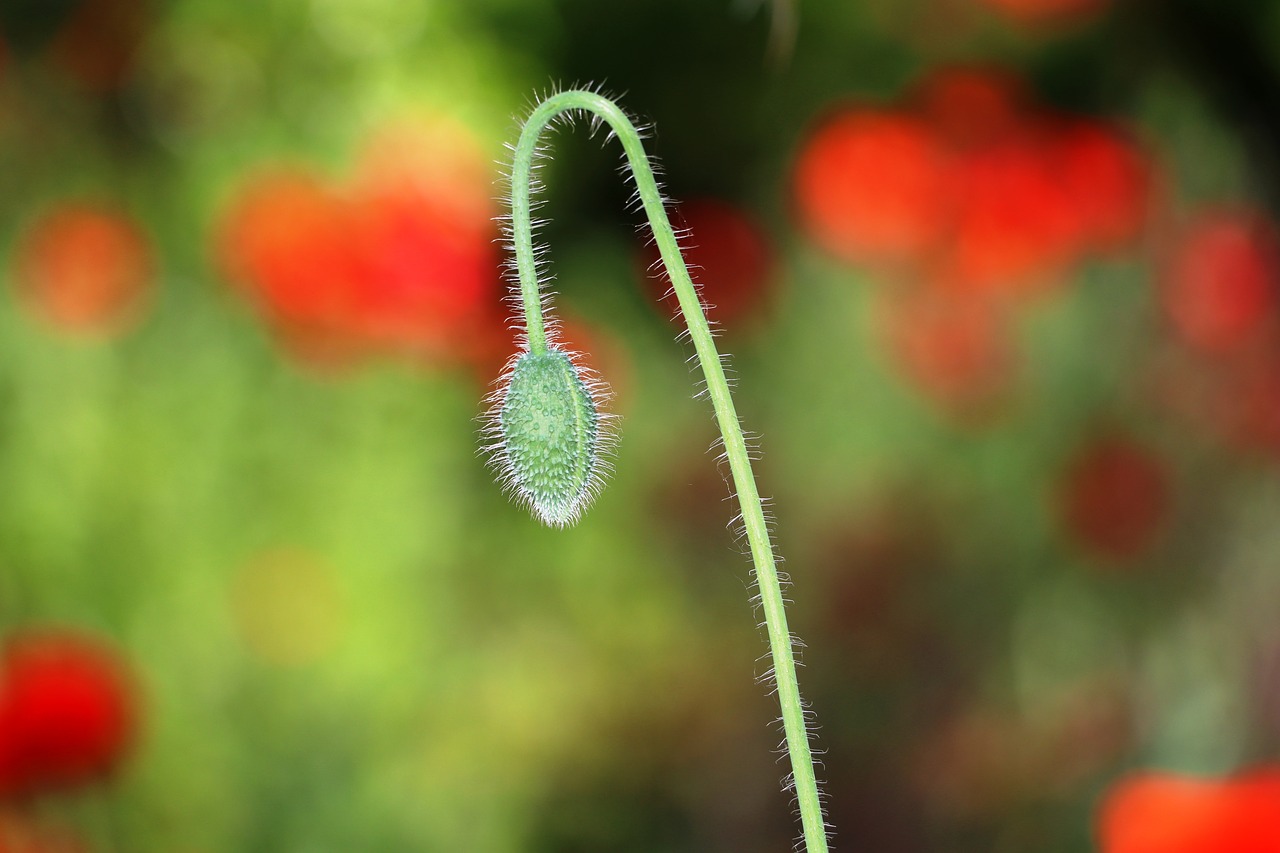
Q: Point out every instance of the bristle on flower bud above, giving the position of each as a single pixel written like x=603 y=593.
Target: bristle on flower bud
x=550 y=435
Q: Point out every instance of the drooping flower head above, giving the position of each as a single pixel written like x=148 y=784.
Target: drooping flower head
x=548 y=435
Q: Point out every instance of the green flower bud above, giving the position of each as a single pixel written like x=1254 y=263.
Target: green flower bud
x=549 y=435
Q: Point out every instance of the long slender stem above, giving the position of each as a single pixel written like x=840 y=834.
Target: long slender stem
x=793 y=717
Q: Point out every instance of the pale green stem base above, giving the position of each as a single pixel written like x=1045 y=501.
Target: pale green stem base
x=784 y=667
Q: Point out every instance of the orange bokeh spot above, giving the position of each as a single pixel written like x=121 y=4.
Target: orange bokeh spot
x=83 y=268
x=284 y=243
x=1157 y=812
x=68 y=712
x=873 y=186
x=1219 y=284
x=275 y=239
x=1115 y=499
x=729 y=257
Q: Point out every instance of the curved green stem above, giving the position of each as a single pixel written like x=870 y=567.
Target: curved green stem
x=793 y=716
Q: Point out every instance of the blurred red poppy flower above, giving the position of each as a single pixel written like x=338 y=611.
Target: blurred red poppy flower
x=68 y=711
x=425 y=235
x=284 y=243
x=1016 y=229
x=873 y=185
x=1219 y=282
x=1158 y=812
x=972 y=187
x=1109 y=182
x=83 y=268
x=399 y=262
x=729 y=257
x=425 y=273
x=283 y=240
x=1114 y=499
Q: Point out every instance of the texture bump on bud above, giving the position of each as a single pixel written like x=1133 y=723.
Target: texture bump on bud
x=550 y=435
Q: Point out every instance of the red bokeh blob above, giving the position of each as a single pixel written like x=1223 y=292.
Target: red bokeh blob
x=83 y=268
x=1016 y=229
x=425 y=274
x=1157 y=812
x=1115 y=498
x=973 y=186
x=425 y=231
x=284 y=243
x=873 y=186
x=1109 y=182
x=1219 y=283
x=729 y=257
x=399 y=262
x=68 y=712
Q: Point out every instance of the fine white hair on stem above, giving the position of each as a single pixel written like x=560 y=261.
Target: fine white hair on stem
x=540 y=379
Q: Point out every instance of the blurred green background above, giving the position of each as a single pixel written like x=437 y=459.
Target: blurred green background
x=252 y=307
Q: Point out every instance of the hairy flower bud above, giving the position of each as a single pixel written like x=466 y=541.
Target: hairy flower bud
x=549 y=435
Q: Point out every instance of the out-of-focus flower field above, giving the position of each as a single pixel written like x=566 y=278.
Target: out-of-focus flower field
x=1000 y=280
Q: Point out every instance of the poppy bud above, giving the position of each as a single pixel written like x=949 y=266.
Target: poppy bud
x=549 y=427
